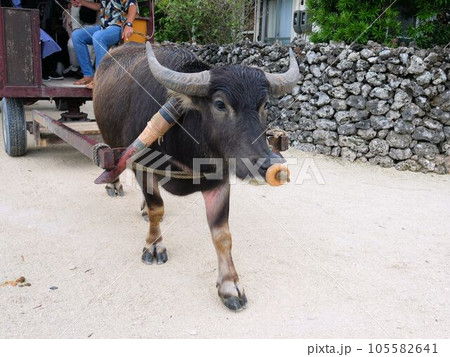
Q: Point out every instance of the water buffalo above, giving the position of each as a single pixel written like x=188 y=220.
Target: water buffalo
x=225 y=111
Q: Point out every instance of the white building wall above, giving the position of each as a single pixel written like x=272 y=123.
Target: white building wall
x=298 y=5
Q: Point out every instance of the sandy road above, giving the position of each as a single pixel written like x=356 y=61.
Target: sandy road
x=365 y=255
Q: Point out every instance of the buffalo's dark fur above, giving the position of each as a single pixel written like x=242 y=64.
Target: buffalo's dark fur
x=227 y=123
x=123 y=104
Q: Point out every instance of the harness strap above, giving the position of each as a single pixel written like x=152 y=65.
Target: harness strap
x=173 y=174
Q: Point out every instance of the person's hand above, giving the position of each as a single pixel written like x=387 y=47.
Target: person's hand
x=77 y=3
x=126 y=33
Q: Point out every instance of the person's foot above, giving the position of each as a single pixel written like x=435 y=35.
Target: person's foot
x=83 y=81
x=55 y=75
x=90 y=85
x=45 y=77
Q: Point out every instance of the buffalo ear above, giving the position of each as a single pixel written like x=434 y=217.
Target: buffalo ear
x=186 y=102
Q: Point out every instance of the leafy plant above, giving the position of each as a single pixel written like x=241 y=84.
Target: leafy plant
x=434 y=23
x=353 y=20
x=379 y=20
x=203 y=21
x=144 y=11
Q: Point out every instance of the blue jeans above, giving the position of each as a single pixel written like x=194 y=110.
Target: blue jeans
x=102 y=39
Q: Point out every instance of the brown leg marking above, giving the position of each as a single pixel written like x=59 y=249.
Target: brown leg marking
x=155 y=215
x=154 y=249
x=217 y=210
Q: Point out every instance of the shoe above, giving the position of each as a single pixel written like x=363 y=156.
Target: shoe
x=71 y=72
x=78 y=75
x=54 y=75
x=45 y=78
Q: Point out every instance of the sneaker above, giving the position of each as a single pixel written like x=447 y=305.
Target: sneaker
x=70 y=71
x=54 y=75
x=69 y=74
x=78 y=74
x=45 y=77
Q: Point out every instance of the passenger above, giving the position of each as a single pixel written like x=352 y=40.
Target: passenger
x=50 y=21
x=117 y=18
x=74 y=19
x=49 y=52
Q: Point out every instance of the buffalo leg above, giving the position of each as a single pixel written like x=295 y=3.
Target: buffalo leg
x=154 y=249
x=217 y=203
x=114 y=189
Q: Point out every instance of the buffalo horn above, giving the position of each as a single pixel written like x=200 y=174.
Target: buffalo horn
x=192 y=84
x=281 y=83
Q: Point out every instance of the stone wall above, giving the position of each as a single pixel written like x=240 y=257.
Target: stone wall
x=389 y=107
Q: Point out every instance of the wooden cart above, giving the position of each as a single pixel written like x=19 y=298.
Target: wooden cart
x=21 y=78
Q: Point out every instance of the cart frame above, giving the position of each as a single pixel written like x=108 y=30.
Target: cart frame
x=21 y=76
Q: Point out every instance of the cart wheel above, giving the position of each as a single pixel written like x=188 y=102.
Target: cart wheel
x=61 y=104
x=14 y=126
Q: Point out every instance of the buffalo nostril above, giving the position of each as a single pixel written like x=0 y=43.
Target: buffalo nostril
x=277 y=175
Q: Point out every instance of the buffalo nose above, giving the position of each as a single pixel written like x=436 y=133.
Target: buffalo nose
x=277 y=172
x=277 y=175
x=272 y=159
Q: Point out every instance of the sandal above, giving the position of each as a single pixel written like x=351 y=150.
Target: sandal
x=83 y=81
x=90 y=85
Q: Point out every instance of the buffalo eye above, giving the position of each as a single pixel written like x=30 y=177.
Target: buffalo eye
x=220 y=105
x=266 y=105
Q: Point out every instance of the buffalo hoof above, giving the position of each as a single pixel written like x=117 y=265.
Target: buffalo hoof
x=154 y=252
x=114 y=189
x=235 y=303
x=233 y=296
x=147 y=256
x=160 y=255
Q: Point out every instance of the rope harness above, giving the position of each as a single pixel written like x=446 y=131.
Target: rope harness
x=184 y=175
x=95 y=150
x=148 y=38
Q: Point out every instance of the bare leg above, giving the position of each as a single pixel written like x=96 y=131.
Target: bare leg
x=217 y=204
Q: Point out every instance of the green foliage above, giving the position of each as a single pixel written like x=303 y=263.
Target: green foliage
x=144 y=11
x=351 y=20
x=434 y=23
x=363 y=20
x=203 y=21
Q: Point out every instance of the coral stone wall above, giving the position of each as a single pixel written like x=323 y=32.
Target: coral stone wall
x=386 y=106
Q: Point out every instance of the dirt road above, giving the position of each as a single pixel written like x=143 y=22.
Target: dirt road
x=365 y=253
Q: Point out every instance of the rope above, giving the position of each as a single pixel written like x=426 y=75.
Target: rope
x=172 y=174
x=276 y=132
x=148 y=38
x=95 y=150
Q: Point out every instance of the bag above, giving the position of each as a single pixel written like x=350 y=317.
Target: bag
x=88 y=16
